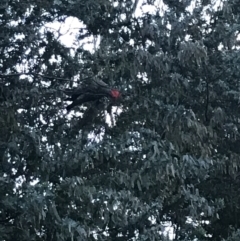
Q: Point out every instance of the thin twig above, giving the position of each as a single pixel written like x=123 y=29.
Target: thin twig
x=33 y=74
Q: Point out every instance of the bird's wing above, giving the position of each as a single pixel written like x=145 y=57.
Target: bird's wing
x=93 y=88
x=74 y=93
x=87 y=97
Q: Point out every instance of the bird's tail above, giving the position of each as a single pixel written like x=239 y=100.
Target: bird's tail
x=69 y=107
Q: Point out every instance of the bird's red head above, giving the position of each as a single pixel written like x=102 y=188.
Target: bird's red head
x=115 y=94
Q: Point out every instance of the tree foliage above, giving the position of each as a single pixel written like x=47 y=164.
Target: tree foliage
x=169 y=153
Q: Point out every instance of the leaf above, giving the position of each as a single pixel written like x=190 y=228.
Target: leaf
x=139 y=185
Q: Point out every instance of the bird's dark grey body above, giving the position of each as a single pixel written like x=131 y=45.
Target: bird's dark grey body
x=88 y=91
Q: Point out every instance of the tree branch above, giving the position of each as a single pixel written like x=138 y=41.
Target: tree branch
x=38 y=75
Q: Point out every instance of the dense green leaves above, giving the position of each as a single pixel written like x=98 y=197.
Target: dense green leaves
x=165 y=156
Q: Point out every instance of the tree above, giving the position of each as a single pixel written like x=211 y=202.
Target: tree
x=169 y=157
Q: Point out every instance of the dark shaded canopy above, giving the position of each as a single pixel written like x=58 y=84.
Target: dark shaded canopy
x=169 y=154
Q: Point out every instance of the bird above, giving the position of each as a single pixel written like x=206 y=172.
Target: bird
x=92 y=90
